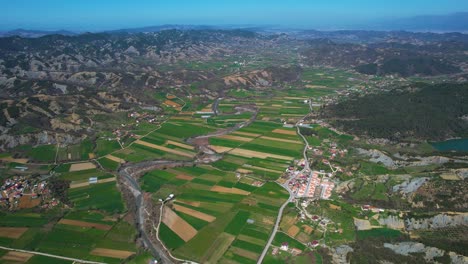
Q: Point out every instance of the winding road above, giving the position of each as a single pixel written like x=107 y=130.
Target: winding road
x=291 y=194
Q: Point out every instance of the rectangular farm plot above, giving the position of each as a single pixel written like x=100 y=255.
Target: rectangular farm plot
x=282 y=140
x=245 y=253
x=284 y=131
x=181 y=145
x=178 y=225
x=114 y=158
x=112 y=253
x=256 y=154
x=104 y=196
x=194 y=213
x=12 y=232
x=236 y=138
x=237 y=223
x=84 y=224
x=222 y=243
x=253 y=240
x=184 y=177
x=165 y=149
x=82 y=166
x=16 y=257
x=220 y=149
x=247 y=134
x=222 y=189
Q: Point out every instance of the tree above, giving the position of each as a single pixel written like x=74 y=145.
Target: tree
x=58 y=188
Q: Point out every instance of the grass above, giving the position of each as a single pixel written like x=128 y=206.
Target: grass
x=272 y=190
x=221 y=244
x=153 y=181
x=85 y=148
x=281 y=237
x=370 y=168
x=109 y=164
x=193 y=221
x=44 y=153
x=183 y=131
x=88 y=216
x=237 y=223
x=83 y=175
x=104 y=147
x=70 y=241
x=23 y=220
x=247 y=246
x=62 y=168
x=198 y=246
x=38 y=259
x=170 y=239
x=103 y=196
x=29 y=240
x=378 y=232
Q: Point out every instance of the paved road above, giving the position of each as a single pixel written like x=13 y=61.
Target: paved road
x=51 y=255
x=290 y=199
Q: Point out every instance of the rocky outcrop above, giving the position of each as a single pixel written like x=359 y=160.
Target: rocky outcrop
x=378 y=156
x=438 y=221
x=430 y=253
x=407 y=248
x=340 y=254
x=410 y=186
x=42 y=138
x=393 y=222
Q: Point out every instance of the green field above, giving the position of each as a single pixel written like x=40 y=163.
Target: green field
x=103 y=196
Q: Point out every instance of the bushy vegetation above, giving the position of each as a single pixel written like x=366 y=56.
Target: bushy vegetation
x=421 y=111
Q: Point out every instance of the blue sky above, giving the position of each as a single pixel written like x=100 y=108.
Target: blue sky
x=94 y=15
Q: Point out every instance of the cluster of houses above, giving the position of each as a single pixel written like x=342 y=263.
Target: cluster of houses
x=310 y=185
x=22 y=192
x=142 y=116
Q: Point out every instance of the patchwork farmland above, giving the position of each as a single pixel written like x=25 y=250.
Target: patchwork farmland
x=223 y=212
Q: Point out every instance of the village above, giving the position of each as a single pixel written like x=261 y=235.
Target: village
x=22 y=192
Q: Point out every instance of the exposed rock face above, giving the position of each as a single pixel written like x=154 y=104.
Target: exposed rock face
x=42 y=138
x=410 y=186
x=393 y=222
x=438 y=221
x=458 y=259
x=340 y=253
x=378 y=156
x=362 y=224
x=405 y=248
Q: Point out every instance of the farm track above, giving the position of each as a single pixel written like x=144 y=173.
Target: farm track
x=130 y=173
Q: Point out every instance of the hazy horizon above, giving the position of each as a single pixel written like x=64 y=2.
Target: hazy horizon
x=102 y=15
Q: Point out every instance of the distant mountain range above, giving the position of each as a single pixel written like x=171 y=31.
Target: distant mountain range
x=456 y=22
x=26 y=33
x=444 y=23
